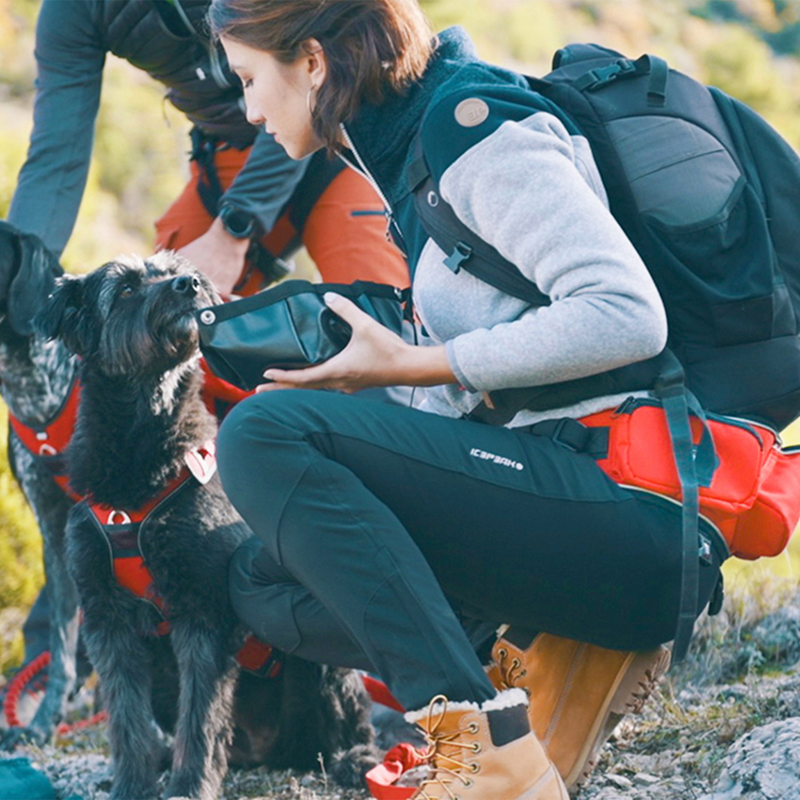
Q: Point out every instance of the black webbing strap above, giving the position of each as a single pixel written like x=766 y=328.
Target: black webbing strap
x=695 y=464
x=318 y=177
x=465 y=249
x=657 y=85
x=695 y=467
x=209 y=187
x=210 y=191
x=417 y=172
x=623 y=68
x=599 y=77
x=572 y=434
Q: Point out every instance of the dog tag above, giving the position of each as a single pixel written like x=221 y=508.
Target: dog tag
x=202 y=462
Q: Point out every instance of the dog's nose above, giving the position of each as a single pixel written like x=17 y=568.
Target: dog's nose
x=186 y=284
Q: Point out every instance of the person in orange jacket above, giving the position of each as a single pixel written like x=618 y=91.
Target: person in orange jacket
x=247 y=204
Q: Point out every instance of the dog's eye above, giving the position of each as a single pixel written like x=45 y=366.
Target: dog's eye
x=126 y=291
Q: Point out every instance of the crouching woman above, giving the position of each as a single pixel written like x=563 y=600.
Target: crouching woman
x=383 y=533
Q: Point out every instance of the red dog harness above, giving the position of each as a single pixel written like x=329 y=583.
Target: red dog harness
x=121 y=528
x=48 y=443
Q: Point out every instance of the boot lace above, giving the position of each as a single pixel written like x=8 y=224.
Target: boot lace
x=509 y=675
x=446 y=768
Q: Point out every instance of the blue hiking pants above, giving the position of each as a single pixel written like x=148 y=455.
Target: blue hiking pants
x=379 y=530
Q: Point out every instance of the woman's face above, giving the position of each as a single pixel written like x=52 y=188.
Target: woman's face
x=277 y=94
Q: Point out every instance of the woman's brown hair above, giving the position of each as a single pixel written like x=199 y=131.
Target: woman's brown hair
x=371 y=46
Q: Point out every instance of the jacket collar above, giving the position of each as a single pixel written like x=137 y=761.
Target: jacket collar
x=383 y=133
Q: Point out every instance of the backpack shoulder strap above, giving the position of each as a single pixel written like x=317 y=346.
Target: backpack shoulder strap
x=465 y=248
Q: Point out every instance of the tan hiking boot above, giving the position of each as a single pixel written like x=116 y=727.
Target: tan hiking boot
x=578 y=693
x=485 y=752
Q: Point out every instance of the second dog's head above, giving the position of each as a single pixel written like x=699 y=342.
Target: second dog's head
x=28 y=271
x=132 y=317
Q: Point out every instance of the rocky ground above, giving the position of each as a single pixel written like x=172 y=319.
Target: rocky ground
x=725 y=725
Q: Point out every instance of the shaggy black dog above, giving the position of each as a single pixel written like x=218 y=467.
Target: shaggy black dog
x=149 y=549
x=37 y=379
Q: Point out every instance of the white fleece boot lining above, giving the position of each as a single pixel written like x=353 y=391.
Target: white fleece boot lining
x=506 y=699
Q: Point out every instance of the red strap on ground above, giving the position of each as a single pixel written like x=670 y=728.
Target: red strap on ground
x=382 y=779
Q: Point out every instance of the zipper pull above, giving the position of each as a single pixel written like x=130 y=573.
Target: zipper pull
x=625 y=407
x=394 y=234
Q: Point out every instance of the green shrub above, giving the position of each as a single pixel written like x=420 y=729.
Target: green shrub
x=20 y=554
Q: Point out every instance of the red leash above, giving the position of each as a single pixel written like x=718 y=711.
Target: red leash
x=379 y=692
x=381 y=779
x=376 y=689
x=17 y=687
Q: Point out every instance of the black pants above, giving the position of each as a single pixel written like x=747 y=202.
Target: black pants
x=378 y=527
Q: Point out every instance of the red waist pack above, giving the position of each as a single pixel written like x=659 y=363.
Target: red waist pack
x=754 y=496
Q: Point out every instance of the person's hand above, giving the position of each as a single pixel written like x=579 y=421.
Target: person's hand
x=373 y=357
x=219 y=256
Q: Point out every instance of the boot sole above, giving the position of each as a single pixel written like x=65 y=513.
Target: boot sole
x=634 y=683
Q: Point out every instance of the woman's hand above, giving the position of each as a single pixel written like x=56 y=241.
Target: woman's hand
x=374 y=356
x=219 y=256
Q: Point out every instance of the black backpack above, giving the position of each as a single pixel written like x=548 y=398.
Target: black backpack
x=708 y=194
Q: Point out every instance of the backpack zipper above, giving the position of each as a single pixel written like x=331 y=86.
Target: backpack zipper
x=630 y=404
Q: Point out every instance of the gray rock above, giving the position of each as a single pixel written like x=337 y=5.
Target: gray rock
x=610 y=793
x=778 y=635
x=620 y=781
x=763 y=765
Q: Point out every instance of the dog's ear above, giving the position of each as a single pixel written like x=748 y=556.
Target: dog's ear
x=28 y=271
x=8 y=259
x=64 y=315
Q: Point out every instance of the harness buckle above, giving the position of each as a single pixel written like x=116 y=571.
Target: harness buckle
x=202 y=462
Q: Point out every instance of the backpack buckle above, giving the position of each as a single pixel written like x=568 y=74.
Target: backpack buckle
x=461 y=252
x=597 y=78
